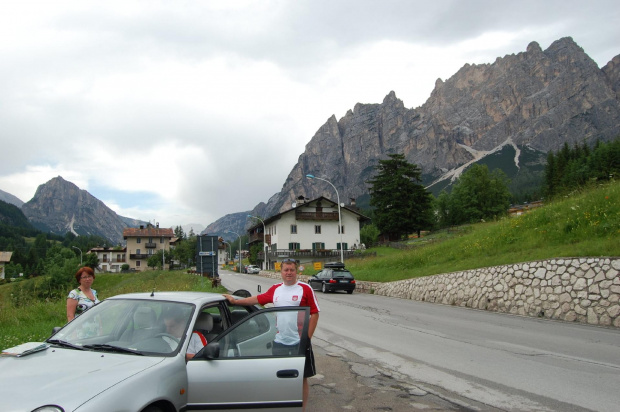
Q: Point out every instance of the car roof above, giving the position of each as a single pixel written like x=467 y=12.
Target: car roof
x=197 y=298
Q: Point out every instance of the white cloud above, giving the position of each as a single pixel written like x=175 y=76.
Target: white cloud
x=185 y=112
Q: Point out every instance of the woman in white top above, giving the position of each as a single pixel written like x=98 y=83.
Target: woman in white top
x=83 y=297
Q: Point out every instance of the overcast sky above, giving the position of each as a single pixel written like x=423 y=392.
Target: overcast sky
x=184 y=111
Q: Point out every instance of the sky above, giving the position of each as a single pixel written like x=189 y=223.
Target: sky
x=181 y=112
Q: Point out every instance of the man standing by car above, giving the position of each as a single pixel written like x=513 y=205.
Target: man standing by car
x=290 y=292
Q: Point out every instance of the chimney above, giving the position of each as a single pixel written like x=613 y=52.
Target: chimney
x=352 y=200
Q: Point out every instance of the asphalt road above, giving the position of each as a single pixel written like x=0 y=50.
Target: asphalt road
x=462 y=358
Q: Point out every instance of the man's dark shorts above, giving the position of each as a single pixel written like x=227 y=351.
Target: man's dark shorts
x=291 y=350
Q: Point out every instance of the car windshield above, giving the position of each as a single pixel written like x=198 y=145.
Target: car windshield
x=128 y=326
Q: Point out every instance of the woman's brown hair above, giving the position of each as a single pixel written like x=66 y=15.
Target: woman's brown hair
x=87 y=270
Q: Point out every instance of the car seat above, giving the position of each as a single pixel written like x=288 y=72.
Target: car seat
x=204 y=325
x=144 y=324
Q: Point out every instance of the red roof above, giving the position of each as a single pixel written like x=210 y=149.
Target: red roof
x=148 y=232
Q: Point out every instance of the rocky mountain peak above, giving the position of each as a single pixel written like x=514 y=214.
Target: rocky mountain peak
x=539 y=99
x=533 y=47
x=60 y=206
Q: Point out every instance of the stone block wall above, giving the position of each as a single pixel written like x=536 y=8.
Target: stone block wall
x=583 y=290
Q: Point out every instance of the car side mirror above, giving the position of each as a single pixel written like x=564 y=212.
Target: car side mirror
x=211 y=351
x=55 y=330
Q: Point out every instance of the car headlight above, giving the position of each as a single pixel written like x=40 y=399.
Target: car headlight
x=49 y=408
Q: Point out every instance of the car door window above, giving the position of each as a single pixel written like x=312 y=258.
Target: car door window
x=255 y=335
x=237 y=313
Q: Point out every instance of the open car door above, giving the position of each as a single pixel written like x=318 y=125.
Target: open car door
x=239 y=372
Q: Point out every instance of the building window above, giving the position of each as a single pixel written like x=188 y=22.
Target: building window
x=346 y=246
x=138 y=252
x=274 y=247
x=294 y=229
x=294 y=246
x=341 y=229
x=318 y=245
x=161 y=240
x=137 y=263
x=317 y=229
x=139 y=240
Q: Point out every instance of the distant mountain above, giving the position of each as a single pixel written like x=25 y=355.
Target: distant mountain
x=11 y=215
x=9 y=198
x=235 y=222
x=509 y=113
x=59 y=206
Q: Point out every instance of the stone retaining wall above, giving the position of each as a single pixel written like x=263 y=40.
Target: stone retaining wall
x=583 y=290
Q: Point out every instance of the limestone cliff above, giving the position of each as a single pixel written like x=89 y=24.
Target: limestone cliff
x=535 y=99
x=60 y=206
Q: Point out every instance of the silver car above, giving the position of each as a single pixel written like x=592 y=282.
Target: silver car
x=253 y=269
x=121 y=356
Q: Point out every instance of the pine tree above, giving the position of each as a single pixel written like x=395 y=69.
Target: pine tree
x=401 y=204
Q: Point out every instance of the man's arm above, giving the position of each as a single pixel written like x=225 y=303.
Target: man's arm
x=252 y=300
x=314 y=320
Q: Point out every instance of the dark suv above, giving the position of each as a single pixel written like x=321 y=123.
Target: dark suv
x=333 y=277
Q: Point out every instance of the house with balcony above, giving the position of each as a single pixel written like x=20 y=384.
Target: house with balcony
x=309 y=232
x=111 y=259
x=144 y=242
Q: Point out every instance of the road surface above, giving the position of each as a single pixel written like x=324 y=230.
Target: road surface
x=483 y=360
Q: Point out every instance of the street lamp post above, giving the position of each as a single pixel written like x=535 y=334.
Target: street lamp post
x=229 y=246
x=230 y=231
x=75 y=247
x=264 y=239
x=339 y=217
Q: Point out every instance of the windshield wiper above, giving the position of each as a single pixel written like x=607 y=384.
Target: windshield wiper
x=65 y=344
x=113 y=348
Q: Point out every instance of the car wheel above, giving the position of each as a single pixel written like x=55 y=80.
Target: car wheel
x=152 y=408
x=323 y=288
x=349 y=292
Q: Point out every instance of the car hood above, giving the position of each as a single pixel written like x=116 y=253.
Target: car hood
x=64 y=377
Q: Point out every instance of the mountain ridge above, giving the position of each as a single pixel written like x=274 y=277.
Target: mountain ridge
x=60 y=206
x=533 y=99
x=509 y=112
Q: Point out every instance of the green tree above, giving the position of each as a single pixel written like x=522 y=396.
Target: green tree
x=443 y=210
x=479 y=194
x=369 y=234
x=254 y=251
x=91 y=260
x=401 y=204
x=156 y=260
x=179 y=233
x=185 y=251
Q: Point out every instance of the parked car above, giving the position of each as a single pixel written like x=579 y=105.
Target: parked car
x=333 y=277
x=119 y=356
x=253 y=269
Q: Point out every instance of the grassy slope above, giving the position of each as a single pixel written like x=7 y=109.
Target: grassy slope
x=23 y=319
x=584 y=224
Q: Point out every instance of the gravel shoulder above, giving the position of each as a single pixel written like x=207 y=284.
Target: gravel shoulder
x=348 y=382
